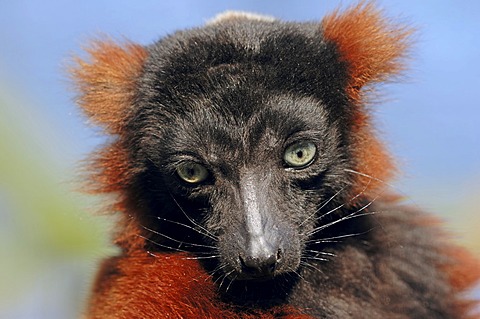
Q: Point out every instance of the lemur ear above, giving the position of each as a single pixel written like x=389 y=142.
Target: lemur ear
x=374 y=50
x=370 y=44
x=107 y=81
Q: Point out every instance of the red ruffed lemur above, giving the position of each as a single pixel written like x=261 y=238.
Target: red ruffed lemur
x=250 y=182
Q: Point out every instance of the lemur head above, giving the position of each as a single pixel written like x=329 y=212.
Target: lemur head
x=243 y=138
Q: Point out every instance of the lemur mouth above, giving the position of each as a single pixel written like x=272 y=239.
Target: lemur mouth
x=255 y=277
x=251 y=290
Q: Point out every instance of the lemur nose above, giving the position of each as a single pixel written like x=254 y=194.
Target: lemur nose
x=261 y=265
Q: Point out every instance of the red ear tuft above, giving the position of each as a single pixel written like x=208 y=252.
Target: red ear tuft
x=373 y=49
x=107 y=84
x=372 y=46
x=107 y=81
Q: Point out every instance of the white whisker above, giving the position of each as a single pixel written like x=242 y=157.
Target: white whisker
x=306 y=264
x=230 y=283
x=207 y=233
x=316 y=258
x=349 y=216
x=203 y=257
x=225 y=277
x=323 y=205
x=321 y=253
x=330 y=239
x=169 y=247
x=176 y=240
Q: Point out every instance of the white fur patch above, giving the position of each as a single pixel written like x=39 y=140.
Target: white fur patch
x=239 y=15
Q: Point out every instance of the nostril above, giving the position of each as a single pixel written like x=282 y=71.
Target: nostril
x=246 y=267
x=270 y=264
x=259 y=266
x=279 y=255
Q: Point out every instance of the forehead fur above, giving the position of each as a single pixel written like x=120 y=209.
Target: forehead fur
x=207 y=127
x=244 y=56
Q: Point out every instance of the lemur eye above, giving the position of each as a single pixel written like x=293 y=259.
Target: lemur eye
x=192 y=173
x=300 y=154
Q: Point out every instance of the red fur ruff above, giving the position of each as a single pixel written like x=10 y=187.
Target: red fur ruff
x=166 y=285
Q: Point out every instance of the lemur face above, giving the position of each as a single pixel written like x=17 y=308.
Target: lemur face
x=245 y=142
x=252 y=181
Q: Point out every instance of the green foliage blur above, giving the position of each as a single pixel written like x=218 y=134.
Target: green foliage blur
x=46 y=233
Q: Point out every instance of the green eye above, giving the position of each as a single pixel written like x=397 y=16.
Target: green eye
x=300 y=154
x=192 y=173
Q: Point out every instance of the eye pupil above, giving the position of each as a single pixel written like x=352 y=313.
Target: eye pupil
x=192 y=173
x=299 y=155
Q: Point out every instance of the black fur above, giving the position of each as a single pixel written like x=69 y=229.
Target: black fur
x=232 y=97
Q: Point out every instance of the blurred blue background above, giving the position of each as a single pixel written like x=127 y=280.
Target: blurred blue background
x=430 y=120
